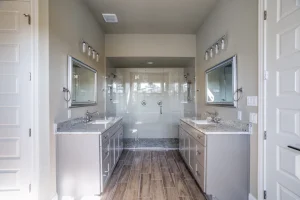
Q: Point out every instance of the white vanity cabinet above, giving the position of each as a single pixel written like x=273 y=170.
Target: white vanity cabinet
x=85 y=161
x=218 y=162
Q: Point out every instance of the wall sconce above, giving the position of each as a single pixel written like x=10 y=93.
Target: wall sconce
x=84 y=47
x=97 y=57
x=90 y=51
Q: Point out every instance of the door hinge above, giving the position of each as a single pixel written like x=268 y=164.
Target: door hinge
x=265 y=15
x=29 y=76
x=265 y=194
x=265 y=135
x=29 y=188
x=266 y=75
x=29 y=132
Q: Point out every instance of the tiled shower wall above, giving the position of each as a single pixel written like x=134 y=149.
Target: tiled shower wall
x=135 y=94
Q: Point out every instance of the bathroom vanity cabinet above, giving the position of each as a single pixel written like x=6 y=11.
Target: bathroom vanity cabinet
x=85 y=160
x=218 y=162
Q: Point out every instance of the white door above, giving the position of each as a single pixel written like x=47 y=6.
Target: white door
x=15 y=100
x=283 y=99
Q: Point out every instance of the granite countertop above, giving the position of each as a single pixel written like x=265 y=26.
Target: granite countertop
x=224 y=127
x=78 y=126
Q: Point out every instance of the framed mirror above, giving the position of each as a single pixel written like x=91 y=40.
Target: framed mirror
x=82 y=83
x=221 y=83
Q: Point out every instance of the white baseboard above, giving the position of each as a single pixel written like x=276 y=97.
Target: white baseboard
x=55 y=197
x=251 y=197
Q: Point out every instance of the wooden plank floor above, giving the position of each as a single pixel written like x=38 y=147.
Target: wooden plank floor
x=151 y=175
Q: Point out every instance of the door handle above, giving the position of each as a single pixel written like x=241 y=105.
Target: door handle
x=295 y=148
x=28 y=17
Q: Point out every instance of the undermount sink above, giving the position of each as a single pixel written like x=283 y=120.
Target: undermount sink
x=202 y=122
x=100 y=122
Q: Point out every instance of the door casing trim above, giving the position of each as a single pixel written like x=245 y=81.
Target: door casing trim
x=261 y=179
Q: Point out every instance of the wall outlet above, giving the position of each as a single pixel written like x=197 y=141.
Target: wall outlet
x=253 y=118
x=252 y=101
x=239 y=115
x=69 y=114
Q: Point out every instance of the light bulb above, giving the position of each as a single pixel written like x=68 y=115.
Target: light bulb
x=83 y=47
x=211 y=52
x=223 y=44
x=97 y=57
x=90 y=51
x=206 y=55
x=217 y=48
x=94 y=55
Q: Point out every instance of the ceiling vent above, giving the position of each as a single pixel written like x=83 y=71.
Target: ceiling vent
x=110 y=18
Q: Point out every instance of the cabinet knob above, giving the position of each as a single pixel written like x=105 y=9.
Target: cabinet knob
x=198 y=136
x=198 y=152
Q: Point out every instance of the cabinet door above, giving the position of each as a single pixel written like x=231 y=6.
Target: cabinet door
x=112 y=151
x=186 y=148
x=120 y=138
x=116 y=146
x=181 y=142
x=192 y=151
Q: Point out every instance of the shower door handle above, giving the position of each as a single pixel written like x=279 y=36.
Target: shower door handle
x=161 y=110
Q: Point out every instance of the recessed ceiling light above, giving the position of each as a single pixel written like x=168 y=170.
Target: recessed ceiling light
x=110 y=18
x=150 y=63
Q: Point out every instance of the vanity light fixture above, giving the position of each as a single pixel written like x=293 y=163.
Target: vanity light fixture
x=90 y=51
x=85 y=47
x=216 y=48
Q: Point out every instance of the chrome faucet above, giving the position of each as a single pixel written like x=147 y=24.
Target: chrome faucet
x=214 y=116
x=89 y=116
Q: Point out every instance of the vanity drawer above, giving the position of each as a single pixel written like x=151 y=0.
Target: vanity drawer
x=200 y=175
x=200 y=137
x=104 y=137
x=200 y=153
x=115 y=127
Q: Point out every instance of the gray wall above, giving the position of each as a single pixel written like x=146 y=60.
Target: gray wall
x=70 y=22
x=150 y=45
x=239 y=20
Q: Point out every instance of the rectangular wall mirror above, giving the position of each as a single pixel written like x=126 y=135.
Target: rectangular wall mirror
x=221 y=83
x=82 y=83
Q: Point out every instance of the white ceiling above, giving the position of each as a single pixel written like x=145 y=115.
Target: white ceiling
x=158 y=62
x=152 y=16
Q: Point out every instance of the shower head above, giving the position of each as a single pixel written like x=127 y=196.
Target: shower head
x=113 y=75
